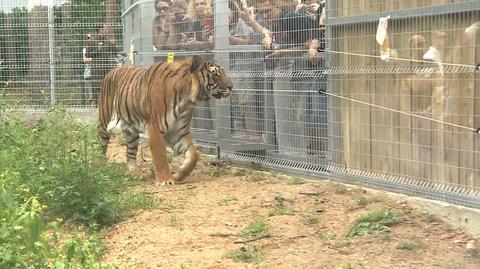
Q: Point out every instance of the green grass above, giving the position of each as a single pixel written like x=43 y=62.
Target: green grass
x=247 y=253
x=279 y=211
x=257 y=176
x=453 y=265
x=240 y=172
x=345 y=265
x=411 y=244
x=311 y=219
x=257 y=227
x=376 y=220
x=280 y=208
x=362 y=201
x=296 y=181
x=227 y=201
x=327 y=236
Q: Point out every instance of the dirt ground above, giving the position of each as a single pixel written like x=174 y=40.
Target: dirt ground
x=205 y=223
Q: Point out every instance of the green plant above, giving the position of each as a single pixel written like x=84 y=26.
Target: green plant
x=359 y=203
x=54 y=170
x=58 y=162
x=378 y=219
x=453 y=265
x=340 y=189
x=247 y=253
x=296 y=181
x=279 y=211
x=173 y=220
x=412 y=244
x=240 y=172
x=311 y=219
x=256 y=176
x=227 y=201
x=327 y=236
x=345 y=265
x=362 y=201
x=24 y=244
x=216 y=172
x=257 y=227
x=349 y=265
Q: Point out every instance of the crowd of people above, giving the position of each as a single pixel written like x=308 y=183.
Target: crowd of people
x=290 y=33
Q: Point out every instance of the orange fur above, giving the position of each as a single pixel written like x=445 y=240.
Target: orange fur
x=159 y=101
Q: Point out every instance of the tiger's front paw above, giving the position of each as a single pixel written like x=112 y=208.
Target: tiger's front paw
x=164 y=181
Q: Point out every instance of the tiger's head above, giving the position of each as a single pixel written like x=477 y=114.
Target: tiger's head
x=214 y=81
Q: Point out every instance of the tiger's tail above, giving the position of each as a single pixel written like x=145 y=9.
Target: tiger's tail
x=105 y=110
x=191 y=158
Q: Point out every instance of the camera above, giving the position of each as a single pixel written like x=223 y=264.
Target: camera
x=180 y=16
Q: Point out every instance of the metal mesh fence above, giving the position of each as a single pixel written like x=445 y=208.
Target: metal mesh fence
x=409 y=119
x=42 y=50
x=314 y=91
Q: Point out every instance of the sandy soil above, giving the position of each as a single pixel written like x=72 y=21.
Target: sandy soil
x=201 y=224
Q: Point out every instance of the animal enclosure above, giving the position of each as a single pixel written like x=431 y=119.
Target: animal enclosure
x=311 y=93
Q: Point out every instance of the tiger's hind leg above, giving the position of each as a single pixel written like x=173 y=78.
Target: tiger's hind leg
x=132 y=138
x=185 y=146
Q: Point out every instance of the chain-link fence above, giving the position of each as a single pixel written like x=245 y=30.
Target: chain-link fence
x=320 y=87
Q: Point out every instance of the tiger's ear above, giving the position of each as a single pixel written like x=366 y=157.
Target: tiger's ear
x=197 y=61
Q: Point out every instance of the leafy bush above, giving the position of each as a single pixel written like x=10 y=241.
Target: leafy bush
x=54 y=170
x=24 y=244
x=58 y=162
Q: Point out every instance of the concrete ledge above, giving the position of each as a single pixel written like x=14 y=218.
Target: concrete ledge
x=458 y=217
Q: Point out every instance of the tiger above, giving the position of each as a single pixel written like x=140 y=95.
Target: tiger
x=159 y=101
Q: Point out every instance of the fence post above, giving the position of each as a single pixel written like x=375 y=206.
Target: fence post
x=221 y=56
x=51 y=44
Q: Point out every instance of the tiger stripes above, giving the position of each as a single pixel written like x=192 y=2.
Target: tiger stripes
x=159 y=101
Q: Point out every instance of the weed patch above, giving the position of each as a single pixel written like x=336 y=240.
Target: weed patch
x=411 y=244
x=280 y=208
x=257 y=227
x=453 y=265
x=257 y=176
x=247 y=253
x=296 y=181
x=227 y=201
x=311 y=219
x=376 y=220
x=280 y=211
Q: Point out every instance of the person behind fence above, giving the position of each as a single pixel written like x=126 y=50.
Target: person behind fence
x=160 y=26
x=314 y=84
x=257 y=17
x=291 y=36
x=105 y=58
x=178 y=26
x=200 y=40
x=88 y=52
x=200 y=12
x=246 y=120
